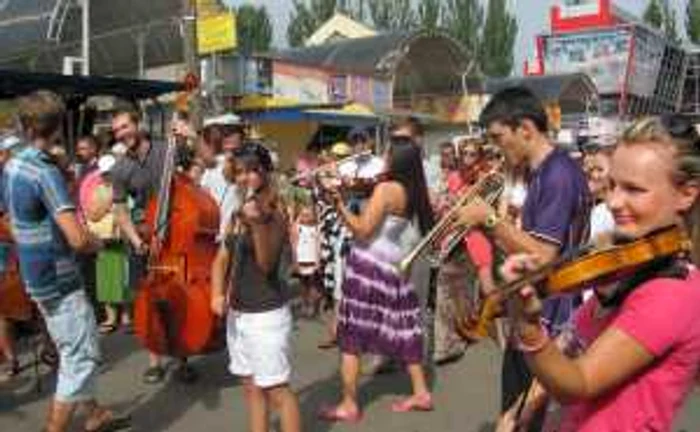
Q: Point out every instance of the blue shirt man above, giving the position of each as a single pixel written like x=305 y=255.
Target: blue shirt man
x=34 y=193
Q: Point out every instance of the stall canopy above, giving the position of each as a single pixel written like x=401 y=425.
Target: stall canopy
x=17 y=83
x=350 y=114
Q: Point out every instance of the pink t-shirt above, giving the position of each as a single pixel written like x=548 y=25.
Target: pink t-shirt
x=663 y=316
x=479 y=248
x=87 y=186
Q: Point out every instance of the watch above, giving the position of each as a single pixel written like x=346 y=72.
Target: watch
x=492 y=220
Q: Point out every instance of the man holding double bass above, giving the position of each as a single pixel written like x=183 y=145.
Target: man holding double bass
x=555 y=215
x=137 y=177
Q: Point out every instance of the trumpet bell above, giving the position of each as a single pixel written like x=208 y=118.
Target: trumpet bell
x=448 y=233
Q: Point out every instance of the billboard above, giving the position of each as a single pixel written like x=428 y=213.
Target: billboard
x=216 y=33
x=603 y=55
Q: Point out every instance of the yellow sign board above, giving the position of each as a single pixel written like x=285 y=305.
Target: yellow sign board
x=216 y=33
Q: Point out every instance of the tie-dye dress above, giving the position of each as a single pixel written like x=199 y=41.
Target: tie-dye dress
x=379 y=310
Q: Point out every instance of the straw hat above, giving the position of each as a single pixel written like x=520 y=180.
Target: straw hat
x=341 y=149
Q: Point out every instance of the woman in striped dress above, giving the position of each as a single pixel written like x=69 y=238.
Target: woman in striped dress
x=379 y=311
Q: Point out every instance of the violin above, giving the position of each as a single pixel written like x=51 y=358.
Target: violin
x=363 y=185
x=585 y=268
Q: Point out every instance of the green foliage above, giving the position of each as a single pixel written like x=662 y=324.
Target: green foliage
x=692 y=21
x=661 y=15
x=463 y=19
x=253 y=28
x=307 y=17
x=429 y=14
x=392 y=14
x=498 y=40
x=654 y=14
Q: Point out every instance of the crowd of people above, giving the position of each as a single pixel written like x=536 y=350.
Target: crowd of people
x=325 y=242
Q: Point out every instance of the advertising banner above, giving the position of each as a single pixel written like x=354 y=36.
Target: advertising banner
x=603 y=55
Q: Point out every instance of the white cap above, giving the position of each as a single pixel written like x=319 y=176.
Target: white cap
x=9 y=141
x=227 y=119
x=106 y=163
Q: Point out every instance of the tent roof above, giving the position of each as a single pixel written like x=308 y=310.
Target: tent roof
x=565 y=87
x=37 y=34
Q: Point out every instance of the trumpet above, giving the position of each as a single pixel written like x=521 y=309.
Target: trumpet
x=447 y=231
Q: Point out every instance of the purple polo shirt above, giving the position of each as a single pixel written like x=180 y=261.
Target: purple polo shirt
x=557 y=210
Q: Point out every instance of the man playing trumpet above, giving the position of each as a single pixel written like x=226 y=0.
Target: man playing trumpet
x=555 y=215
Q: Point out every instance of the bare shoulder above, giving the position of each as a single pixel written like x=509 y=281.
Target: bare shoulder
x=393 y=194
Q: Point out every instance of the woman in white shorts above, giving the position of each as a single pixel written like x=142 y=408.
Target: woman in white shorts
x=259 y=321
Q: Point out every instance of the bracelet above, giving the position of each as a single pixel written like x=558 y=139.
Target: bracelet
x=491 y=221
x=534 y=348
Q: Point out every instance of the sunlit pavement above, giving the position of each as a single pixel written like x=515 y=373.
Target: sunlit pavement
x=466 y=393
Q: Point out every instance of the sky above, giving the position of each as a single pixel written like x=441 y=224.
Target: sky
x=532 y=15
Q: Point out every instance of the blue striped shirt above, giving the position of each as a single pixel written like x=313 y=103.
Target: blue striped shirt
x=34 y=192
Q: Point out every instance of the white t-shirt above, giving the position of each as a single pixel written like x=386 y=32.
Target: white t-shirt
x=602 y=220
x=226 y=195
x=308 y=241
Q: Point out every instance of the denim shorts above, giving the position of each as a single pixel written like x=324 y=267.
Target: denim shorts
x=70 y=321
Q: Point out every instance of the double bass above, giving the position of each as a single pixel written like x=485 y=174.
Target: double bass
x=172 y=314
x=14 y=301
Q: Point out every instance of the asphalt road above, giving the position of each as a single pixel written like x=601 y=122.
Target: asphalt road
x=466 y=393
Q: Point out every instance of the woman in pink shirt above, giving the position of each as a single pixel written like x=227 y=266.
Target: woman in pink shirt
x=637 y=344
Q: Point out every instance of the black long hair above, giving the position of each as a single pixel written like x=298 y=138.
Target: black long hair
x=406 y=167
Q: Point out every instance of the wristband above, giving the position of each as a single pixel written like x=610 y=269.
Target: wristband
x=539 y=345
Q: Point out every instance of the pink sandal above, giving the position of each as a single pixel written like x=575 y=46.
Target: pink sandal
x=335 y=414
x=422 y=402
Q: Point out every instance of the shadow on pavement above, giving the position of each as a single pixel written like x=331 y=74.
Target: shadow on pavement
x=328 y=392
x=173 y=400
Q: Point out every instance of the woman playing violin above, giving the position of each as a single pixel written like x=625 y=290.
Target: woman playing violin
x=638 y=343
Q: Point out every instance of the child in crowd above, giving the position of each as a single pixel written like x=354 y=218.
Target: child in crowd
x=306 y=245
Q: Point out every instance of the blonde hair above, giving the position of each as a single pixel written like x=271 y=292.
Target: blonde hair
x=41 y=113
x=679 y=134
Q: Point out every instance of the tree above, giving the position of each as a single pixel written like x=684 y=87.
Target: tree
x=306 y=19
x=498 y=40
x=392 y=14
x=692 y=20
x=253 y=28
x=463 y=19
x=670 y=23
x=654 y=14
x=429 y=14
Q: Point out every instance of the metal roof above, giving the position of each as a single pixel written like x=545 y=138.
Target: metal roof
x=380 y=54
x=37 y=34
x=359 y=55
x=418 y=62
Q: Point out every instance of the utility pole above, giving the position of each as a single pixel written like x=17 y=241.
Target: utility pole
x=85 y=45
x=189 y=44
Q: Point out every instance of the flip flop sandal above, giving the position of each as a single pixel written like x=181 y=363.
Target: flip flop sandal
x=107 y=328
x=328 y=344
x=112 y=425
x=9 y=372
x=337 y=415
